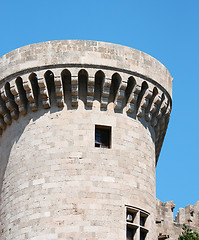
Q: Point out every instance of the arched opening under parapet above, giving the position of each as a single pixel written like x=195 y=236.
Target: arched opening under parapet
x=49 y=78
x=11 y=98
x=82 y=85
x=99 y=81
x=35 y=87
x=66 y=82
x=115 y=83
x=4 y=113
x=158 y=107
x=151 y=105
x=130 y=85
x=155 y=91
x=141 y=94
x=22 y=93
x=151 y=100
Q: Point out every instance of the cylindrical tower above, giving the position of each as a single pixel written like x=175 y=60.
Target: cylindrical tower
x=82 y=125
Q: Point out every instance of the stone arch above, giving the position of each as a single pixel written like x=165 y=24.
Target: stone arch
x=130 y=85
x=22 y=95
x=10 y=102
x=115 y=83
x=66 y=82
x=50 y=83
x=99 y=81
x=144 y=87
x=8 y=92
x=82 y=85
x=4 y=114
x=155 y=91
x=35 y=87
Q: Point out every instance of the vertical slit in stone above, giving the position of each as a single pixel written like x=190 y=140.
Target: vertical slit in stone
x=115 y=83
x=66 y=82
x=22 y=92
x=35 y=87
x=141 y=94
x=82 y=85
x=99 y=80
x=49 y=78
x=130 y=85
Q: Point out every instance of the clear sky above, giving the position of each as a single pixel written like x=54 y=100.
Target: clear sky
x=167 y=30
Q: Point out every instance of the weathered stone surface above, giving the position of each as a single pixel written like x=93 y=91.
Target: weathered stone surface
x=55 y=184
x=166 y=226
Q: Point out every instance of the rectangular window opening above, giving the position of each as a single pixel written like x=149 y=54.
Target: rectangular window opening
x=130 y=234
x=131 y=214
x=102 y=136
x=143 y=218
x=136 y=223
x=143 y=235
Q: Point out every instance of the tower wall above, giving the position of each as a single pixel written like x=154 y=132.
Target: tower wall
x=56 y=184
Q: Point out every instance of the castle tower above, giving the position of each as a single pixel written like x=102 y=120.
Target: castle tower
x=82 y=125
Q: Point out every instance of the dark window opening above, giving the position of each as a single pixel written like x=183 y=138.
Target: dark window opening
x=130 y=233
x=143 y=218
x=136 y=223
x=102 y=136
x=130 y=216
x=142 y=235
x=191 y=213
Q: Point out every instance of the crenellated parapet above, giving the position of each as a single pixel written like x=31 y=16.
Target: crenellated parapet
x=126 y=80
x=166 y=227
x=189 y=216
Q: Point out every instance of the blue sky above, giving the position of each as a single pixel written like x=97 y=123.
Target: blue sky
x=167 y=30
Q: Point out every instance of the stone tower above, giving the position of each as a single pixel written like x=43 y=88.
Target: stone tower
x=82 y=125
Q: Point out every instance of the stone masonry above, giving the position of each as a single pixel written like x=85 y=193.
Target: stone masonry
x=56 y=180
x=167 y=228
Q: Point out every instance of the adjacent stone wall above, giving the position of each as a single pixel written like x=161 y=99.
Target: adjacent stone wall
x=189 y=216
x=171 y=229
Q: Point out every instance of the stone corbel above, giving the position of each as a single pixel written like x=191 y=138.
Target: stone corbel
x=131 y=104
x=157 y=112
x=74 y=87
x=10 y=104
x=18 y=99
x=153 y=108
x=120 y=95
x=90 y=91
x=29 y=93
x=162 y=109
x=74 y=90
x=5 y=113
x=58 y=88
x=144 y=102
x=43 y=89
x=105 y=92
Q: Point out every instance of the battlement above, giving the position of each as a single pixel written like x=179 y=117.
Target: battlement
x=188 y=215
x=166 y=226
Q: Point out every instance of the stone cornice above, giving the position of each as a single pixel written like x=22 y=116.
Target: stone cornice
x=133 y=94
x=56 y=53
